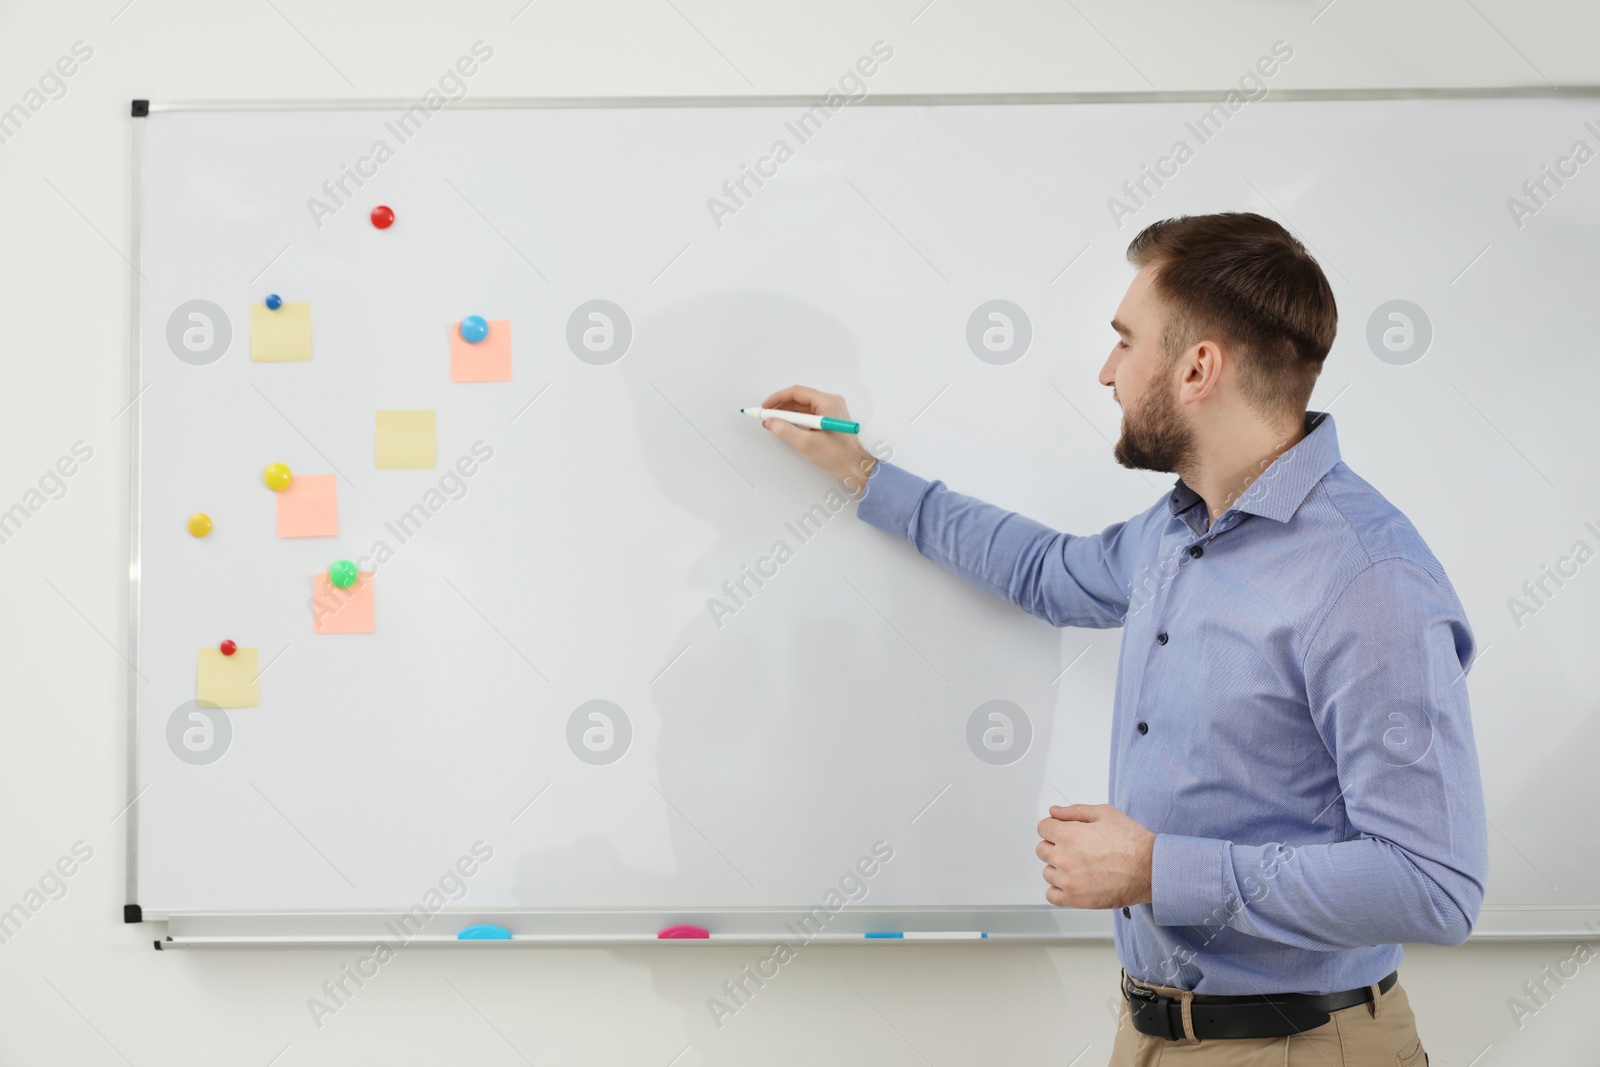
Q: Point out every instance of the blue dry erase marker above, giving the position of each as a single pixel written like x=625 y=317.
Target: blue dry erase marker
x=929 y=935
x=810 y=422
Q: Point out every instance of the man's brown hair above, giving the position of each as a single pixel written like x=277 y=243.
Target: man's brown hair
x=1243 y=280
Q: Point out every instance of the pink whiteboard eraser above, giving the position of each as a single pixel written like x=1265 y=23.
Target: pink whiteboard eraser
x=683 y=931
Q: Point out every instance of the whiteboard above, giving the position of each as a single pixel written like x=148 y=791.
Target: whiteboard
x=759 y=754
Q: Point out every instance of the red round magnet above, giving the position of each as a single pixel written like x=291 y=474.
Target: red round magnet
x=228 y=648
x=382 y=217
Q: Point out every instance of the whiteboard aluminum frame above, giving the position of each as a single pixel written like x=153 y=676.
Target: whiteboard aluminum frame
x=1014 y=925
x=587 y=926
x=136 y=343
x=892 y=99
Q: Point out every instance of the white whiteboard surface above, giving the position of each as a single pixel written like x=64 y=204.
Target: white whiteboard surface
x=831 y=712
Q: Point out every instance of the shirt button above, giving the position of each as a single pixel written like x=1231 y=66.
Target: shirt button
x=1195 y=551
x=1161 y=638
x=1126 y=914
x=1144 y=728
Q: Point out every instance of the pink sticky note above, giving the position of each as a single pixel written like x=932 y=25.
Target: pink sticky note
x=343 y=611
x=487 y=361
x=309 y=507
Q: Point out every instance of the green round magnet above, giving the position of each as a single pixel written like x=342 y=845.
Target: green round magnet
x=343 y=574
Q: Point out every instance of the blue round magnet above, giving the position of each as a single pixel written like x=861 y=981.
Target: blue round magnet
x=274 y=301
x=474 y=329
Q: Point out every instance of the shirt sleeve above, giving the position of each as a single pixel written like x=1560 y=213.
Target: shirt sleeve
x=1065 y=579
x=1385 y=679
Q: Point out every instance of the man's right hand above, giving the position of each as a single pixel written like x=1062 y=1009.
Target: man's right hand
x=840 y=454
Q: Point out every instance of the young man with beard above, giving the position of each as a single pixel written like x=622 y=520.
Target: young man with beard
x=1294 y=782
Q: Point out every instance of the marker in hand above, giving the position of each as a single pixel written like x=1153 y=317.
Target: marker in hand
x=811 y=422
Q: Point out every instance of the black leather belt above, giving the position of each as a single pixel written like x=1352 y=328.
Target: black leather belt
x=1271 y=1015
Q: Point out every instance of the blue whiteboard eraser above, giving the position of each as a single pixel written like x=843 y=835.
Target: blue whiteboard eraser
x=484 y=932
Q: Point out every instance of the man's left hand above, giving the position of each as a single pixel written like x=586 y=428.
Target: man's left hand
x=1095 y=857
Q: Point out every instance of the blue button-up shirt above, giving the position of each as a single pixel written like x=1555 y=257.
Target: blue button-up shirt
x=1291 y=714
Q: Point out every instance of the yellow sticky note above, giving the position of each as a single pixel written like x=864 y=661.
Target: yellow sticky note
x=281 y=336
x=405 y=441
x=228 y=681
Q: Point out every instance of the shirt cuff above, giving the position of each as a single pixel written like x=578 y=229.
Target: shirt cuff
x=1186 y=880
x=891 y=498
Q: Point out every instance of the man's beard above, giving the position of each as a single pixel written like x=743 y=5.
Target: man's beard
x=1154 y=436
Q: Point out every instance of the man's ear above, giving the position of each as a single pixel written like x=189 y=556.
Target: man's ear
x=1202 y=366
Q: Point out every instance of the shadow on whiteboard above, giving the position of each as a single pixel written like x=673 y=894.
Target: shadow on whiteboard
x=825 y=692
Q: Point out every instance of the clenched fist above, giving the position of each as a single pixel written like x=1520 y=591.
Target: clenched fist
x=1095 y=857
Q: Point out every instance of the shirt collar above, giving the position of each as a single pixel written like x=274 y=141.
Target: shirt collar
x=1280 y=490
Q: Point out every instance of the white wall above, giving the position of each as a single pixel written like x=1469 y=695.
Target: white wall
x=80 y=987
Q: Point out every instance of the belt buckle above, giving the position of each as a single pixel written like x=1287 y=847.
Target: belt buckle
x=1154 y=1008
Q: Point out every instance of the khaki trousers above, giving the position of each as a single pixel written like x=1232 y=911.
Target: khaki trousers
x=1378 y=1034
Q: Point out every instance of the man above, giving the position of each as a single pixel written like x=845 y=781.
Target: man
x=1294 y=783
